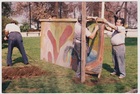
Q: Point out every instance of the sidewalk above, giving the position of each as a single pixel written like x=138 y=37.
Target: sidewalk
x=130 y=33
x=30 y=34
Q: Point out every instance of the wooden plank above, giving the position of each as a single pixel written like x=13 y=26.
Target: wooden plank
x=83 y=47
x=103 y=9
x=99 y=20
x=58 y=20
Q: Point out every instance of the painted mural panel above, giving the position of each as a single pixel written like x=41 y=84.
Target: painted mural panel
x=55 y=37
x=57 y=43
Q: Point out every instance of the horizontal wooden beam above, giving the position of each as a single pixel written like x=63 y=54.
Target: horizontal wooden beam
x=58 y=20
x=99 y=20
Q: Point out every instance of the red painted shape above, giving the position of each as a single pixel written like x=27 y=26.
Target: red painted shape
x=53 y=41
x=49 y=57
x=65 y=35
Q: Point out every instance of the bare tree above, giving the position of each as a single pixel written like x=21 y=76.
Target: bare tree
x=34 y=10
x=94 y=8
x=113 y=9
x=6 y=8
x=43 y=10
x=132 y=14
x=127 y=10
x=74 y=8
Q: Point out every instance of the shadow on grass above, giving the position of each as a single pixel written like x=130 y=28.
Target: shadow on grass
x=5 y=85
x=107 y=67
x=17 y=60
x=130 y=41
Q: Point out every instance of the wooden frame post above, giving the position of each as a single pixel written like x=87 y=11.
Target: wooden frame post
x=83 y=44
x=103 y=9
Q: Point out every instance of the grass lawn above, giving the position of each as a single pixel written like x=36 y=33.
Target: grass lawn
x=59 y=79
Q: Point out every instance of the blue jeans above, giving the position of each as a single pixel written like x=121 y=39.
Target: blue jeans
x=15 y=40
x=92 y=56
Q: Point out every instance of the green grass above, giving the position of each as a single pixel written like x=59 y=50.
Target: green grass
x=59 y=79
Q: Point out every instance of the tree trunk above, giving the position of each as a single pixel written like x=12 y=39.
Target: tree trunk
x=30 y=14
x=125 y=13
x=37 y=25
x=60 y=8
x=56 y=9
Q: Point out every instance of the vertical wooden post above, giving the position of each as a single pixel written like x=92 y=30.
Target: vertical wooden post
x=103 y=9
x=83 y=44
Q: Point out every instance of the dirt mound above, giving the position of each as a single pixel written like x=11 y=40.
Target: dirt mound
x=9 y=73
x=89 y=81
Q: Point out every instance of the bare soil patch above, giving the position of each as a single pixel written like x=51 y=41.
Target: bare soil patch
x=10 y=73
x=88 y=80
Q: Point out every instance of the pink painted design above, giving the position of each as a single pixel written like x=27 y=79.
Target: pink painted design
x=49 y=57
x=53 y=41
x=65 y=35
x=63 y=38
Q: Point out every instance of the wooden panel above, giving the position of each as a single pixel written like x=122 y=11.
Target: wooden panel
x=57 y=43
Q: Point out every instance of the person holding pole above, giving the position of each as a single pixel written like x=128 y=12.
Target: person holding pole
x=118 y=46
x=77 y=41
x=12 y=34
